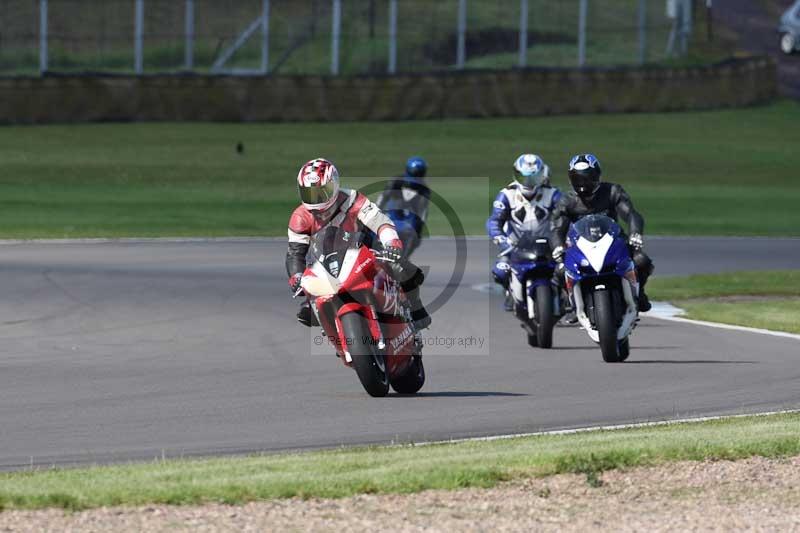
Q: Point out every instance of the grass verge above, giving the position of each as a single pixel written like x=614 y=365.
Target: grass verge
x=767 y=300
x=120 y=180
x=403 y=469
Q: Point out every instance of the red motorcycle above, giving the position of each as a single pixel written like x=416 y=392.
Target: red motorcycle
x=363 y=312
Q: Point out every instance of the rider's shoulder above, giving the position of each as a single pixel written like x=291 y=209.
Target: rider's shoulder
x=615 y=190
x=301 y=220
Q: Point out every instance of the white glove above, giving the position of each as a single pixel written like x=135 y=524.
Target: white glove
x=558 y=254
x=503 y=244
x=636 y=241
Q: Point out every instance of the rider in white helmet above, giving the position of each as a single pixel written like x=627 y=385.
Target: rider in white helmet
x=323 y=200
x=528 y=197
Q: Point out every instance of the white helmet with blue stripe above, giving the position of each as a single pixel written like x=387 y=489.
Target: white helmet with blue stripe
x=530 y=171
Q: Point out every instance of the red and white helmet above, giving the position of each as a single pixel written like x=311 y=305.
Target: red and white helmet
x=318 y=184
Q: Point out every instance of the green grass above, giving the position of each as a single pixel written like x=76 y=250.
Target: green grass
x=767 y=300
x=722 y=172
x=767 y=283
x=334 y=474
x=778 y=314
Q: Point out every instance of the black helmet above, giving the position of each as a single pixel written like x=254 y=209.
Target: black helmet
x=584 y=174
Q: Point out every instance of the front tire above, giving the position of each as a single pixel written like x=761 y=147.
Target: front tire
x=413 y=380
x=369 y=365
x=606 y=324
x=544 y=316
x=788 y=43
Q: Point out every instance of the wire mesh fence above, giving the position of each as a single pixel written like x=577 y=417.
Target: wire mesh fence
x=332 y=36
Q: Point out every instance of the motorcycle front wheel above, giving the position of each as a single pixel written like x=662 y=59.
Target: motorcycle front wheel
x=368 y=363
x=606 y=324
x=544 y=316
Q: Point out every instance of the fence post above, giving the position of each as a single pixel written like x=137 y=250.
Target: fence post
x=336 y=22
x=642 y=32
x=461 y=52
x=686 y=26
x=138 y=37
x=392 y=36
x=43 y=59
x=583 y=13
x=265 y=37
x=188 y=62
x=523 y=33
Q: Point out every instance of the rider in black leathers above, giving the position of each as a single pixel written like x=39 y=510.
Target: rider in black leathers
x=590 y=196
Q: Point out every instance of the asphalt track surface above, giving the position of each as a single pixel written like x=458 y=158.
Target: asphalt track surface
x=126 y=351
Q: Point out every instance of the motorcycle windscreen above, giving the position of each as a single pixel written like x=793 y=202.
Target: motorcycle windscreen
x=329 y=247
x=595 y=227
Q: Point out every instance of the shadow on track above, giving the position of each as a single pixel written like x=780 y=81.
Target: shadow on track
x=689 y=362
x=633 y=348
x=458 y=394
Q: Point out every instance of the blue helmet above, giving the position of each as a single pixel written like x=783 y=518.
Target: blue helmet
x=530 y=171
x=416 y=167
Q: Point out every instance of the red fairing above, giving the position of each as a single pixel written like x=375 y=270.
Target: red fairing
x=383 y=311
x=362 y=273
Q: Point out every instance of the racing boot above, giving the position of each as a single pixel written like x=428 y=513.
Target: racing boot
x=644 y=301
x=508 y=301
x=644 y=269
x=419 y=315
x=306 y=315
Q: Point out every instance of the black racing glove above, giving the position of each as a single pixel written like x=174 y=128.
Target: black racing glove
x=393 y=254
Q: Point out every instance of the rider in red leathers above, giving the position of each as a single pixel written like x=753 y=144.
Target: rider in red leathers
x=323 y=203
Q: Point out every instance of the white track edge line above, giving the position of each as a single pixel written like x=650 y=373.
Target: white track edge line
x=734 y=327
x=590 y=429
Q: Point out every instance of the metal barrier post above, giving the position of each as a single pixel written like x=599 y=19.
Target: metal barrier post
x=461 y=52
x=265 y=37
x=336 y=29
x=188 y=61
x=583 y=12
x=392 y=36
x=642 y=32
x=523 y=33
x=138 y=37
x=43 y=59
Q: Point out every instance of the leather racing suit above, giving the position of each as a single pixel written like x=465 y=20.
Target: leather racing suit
x=353 y=211
x=611 y=200
x=512 y=212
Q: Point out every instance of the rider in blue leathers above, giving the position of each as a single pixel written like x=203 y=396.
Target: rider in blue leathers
x=405 y=199
x=529 y=195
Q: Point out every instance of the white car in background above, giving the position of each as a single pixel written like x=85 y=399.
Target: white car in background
x=789 y=29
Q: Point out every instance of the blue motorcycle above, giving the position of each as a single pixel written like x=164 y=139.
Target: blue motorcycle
x=537 y=303
x=409 y=229
x=406 y=203
x=601 y=281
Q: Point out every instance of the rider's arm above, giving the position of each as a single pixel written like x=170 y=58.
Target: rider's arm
x=561 y=220
x=375 y=219
x=501 y=210
x=626 y=211
x=299 y=240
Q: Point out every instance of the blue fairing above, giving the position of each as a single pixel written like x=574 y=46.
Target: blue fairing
x=406 y=223
x=617 y=259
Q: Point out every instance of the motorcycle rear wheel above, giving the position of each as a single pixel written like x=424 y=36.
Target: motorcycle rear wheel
x=412 y=381
x=368 y=364
x=606 y=326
